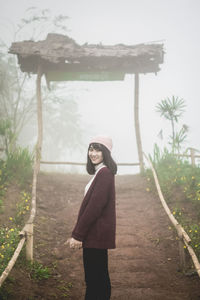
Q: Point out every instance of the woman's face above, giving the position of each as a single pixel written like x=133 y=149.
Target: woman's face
x=96 y=156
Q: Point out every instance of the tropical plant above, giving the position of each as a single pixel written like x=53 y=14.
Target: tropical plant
x=172 y=109
x=179 y=138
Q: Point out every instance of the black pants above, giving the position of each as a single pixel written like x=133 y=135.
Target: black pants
x=97 y=279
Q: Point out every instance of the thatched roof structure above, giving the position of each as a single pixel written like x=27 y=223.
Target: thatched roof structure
x=63 y=59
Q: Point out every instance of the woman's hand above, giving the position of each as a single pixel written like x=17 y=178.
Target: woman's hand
x=74 y=244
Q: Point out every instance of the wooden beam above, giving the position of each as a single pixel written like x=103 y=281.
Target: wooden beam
x=80 y=163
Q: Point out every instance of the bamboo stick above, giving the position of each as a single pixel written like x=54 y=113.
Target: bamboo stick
x=12 y=261
x=29 y=226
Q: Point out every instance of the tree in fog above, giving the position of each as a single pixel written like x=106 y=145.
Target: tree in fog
x=16 y=100
x=17 y=89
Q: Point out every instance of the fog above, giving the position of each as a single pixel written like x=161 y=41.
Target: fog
x=108 y=107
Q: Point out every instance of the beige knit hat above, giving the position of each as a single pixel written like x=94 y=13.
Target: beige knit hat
x=104 y=140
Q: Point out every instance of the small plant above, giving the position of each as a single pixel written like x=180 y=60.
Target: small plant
x=19 y=165
x=6 y=135
x=193 y=231
x=38 y=271
x=65 y=288
x=177 y=213
x=23 y=206
x=3 y=183
x=1 y=206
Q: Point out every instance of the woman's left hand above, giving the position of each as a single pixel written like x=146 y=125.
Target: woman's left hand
x=74 y=244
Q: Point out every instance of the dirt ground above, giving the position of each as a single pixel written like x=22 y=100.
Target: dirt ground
x=145 y=264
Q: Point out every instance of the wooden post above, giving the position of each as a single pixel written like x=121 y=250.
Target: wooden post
x=137 y=125
x=182 y=255
x=192 y=153
x=39 y=117
x=29 y=242
x=29 y=226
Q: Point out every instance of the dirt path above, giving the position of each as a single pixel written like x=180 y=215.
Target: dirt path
x=145 y=263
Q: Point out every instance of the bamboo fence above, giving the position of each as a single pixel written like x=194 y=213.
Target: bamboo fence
x=184 y=239
x=27 y=232
x=192 y=155
x=81 y=163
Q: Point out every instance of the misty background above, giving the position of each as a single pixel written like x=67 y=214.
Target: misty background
x=108 y=107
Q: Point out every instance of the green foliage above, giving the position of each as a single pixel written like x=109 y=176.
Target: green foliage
x=9 y=238
x=164 y=162
x=194 y=233
x=3 y=183
x=6 y=135
x=6 y=290
x=38 y=271
x=179 y=138
x=178 y=178
x=1 y=205
x=172 y=110
x=65 y=287
x=19 y=165
x=23 y=206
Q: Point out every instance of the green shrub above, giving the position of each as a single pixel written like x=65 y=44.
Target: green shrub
x=3 y=183
x=19 y=165
x=9 y=239
x=38 y=271
x=23 y=207
x=178 y=178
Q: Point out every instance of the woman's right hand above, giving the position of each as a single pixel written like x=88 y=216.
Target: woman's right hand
x=74 y=244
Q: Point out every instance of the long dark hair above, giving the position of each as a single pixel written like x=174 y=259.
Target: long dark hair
x=107 y=159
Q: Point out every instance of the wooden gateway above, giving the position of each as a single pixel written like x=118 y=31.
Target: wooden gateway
x=60 y=58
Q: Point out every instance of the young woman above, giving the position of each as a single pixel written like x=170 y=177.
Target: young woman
x=96 y=224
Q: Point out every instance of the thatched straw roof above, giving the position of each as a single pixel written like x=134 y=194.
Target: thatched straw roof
x=63 y=59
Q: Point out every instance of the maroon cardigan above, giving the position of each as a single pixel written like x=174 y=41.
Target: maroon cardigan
x=96 y=224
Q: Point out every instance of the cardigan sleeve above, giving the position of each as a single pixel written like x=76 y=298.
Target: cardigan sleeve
x=97 y=201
